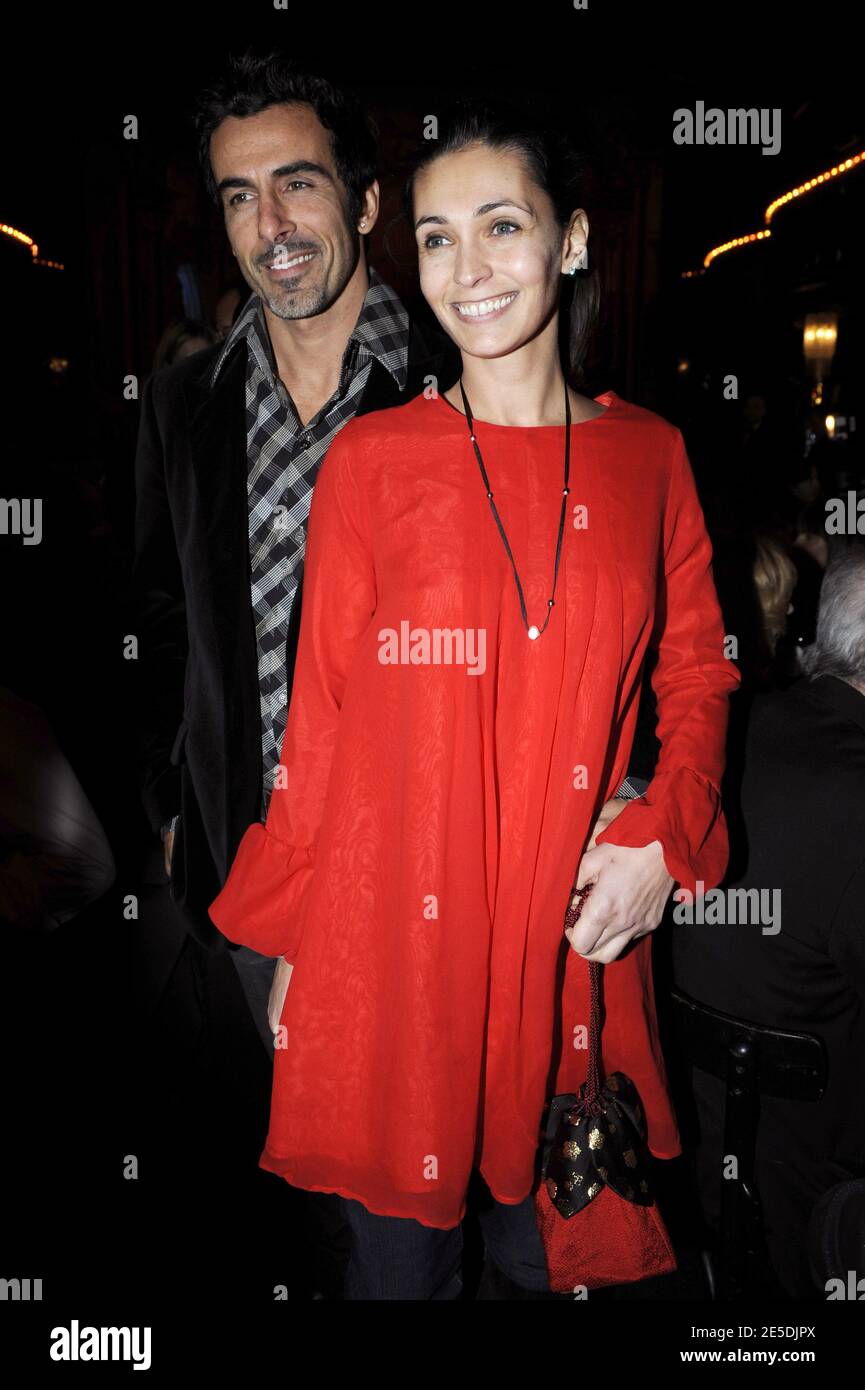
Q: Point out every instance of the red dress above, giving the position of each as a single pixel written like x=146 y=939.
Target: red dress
x=442 y=774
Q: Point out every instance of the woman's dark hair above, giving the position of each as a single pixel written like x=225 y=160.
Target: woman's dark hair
x=251 y=83
x=556 y=166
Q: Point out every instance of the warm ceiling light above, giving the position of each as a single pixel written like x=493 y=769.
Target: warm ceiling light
x=819 y=336
x=806 y=187
x=19 y=236
x=730 y=245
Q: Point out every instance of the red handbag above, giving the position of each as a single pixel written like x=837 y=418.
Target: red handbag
x=595 y=1209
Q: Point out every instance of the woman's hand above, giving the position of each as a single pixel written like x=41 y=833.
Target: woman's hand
x=631 y=888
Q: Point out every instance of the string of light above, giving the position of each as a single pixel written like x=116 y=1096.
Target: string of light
x=26 y=240
x=809 y=186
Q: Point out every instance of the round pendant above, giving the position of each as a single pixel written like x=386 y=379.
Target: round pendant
x=534 y=632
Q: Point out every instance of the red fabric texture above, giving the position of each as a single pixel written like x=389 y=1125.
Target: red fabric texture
x=609 y=1242
x=420 y=850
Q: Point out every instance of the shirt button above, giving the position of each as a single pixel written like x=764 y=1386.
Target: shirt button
x=280 y=699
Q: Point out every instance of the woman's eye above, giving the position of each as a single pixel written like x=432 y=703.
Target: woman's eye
x=435 y=238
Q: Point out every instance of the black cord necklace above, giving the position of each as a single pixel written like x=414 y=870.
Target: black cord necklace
x=533 y=631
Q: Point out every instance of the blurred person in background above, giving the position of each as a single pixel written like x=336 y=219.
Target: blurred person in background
x=802 y=811
x=181 y=340
x=228 y=306
x=774 y=580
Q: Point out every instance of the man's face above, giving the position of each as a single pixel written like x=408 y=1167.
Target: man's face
x=285 y=208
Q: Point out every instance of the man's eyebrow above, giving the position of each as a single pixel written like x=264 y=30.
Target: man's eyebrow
x=478 y=212
x=299 y=166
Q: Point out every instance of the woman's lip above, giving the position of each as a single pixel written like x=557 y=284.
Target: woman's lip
x=486 y=318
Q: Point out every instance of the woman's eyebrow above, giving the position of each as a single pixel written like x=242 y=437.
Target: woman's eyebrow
x=478 y=212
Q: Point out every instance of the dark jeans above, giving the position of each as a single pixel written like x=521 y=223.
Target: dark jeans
x=395 y=1257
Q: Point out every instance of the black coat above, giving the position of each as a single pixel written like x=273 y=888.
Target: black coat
x=196 y=675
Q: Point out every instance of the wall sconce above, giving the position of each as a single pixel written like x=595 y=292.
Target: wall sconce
x=818 y=342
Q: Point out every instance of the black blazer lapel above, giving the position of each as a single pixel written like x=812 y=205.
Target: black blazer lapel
x=217 y=443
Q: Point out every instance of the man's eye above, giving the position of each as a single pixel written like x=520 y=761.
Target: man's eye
x=293 y=183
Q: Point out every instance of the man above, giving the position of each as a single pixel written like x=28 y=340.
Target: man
x=803 y=816
x=229 y=447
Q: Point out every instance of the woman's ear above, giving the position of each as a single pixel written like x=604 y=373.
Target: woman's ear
x=575 y=252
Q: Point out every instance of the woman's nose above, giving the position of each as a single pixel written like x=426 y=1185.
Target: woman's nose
x=470 y=265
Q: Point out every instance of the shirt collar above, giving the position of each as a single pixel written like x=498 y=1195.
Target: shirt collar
x=381 y=331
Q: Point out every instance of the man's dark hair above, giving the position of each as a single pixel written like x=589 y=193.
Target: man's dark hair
x=252 y=82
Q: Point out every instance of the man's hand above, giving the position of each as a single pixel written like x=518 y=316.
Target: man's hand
x=278 y=991
x=168 y=850
x=631 y=888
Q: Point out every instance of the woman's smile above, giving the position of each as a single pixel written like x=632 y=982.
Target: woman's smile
x=482 y=310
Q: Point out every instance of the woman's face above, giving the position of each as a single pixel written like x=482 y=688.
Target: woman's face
x=490 y=252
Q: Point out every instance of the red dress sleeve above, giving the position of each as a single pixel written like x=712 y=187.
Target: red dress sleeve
x=263 y=902
x=692 y=680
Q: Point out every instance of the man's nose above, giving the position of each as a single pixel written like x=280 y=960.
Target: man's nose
x=275 y=223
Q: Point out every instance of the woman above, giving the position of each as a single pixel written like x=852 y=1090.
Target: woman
x=463 y=709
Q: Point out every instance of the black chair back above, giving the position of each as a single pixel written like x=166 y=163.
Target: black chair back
x=753 y=1061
